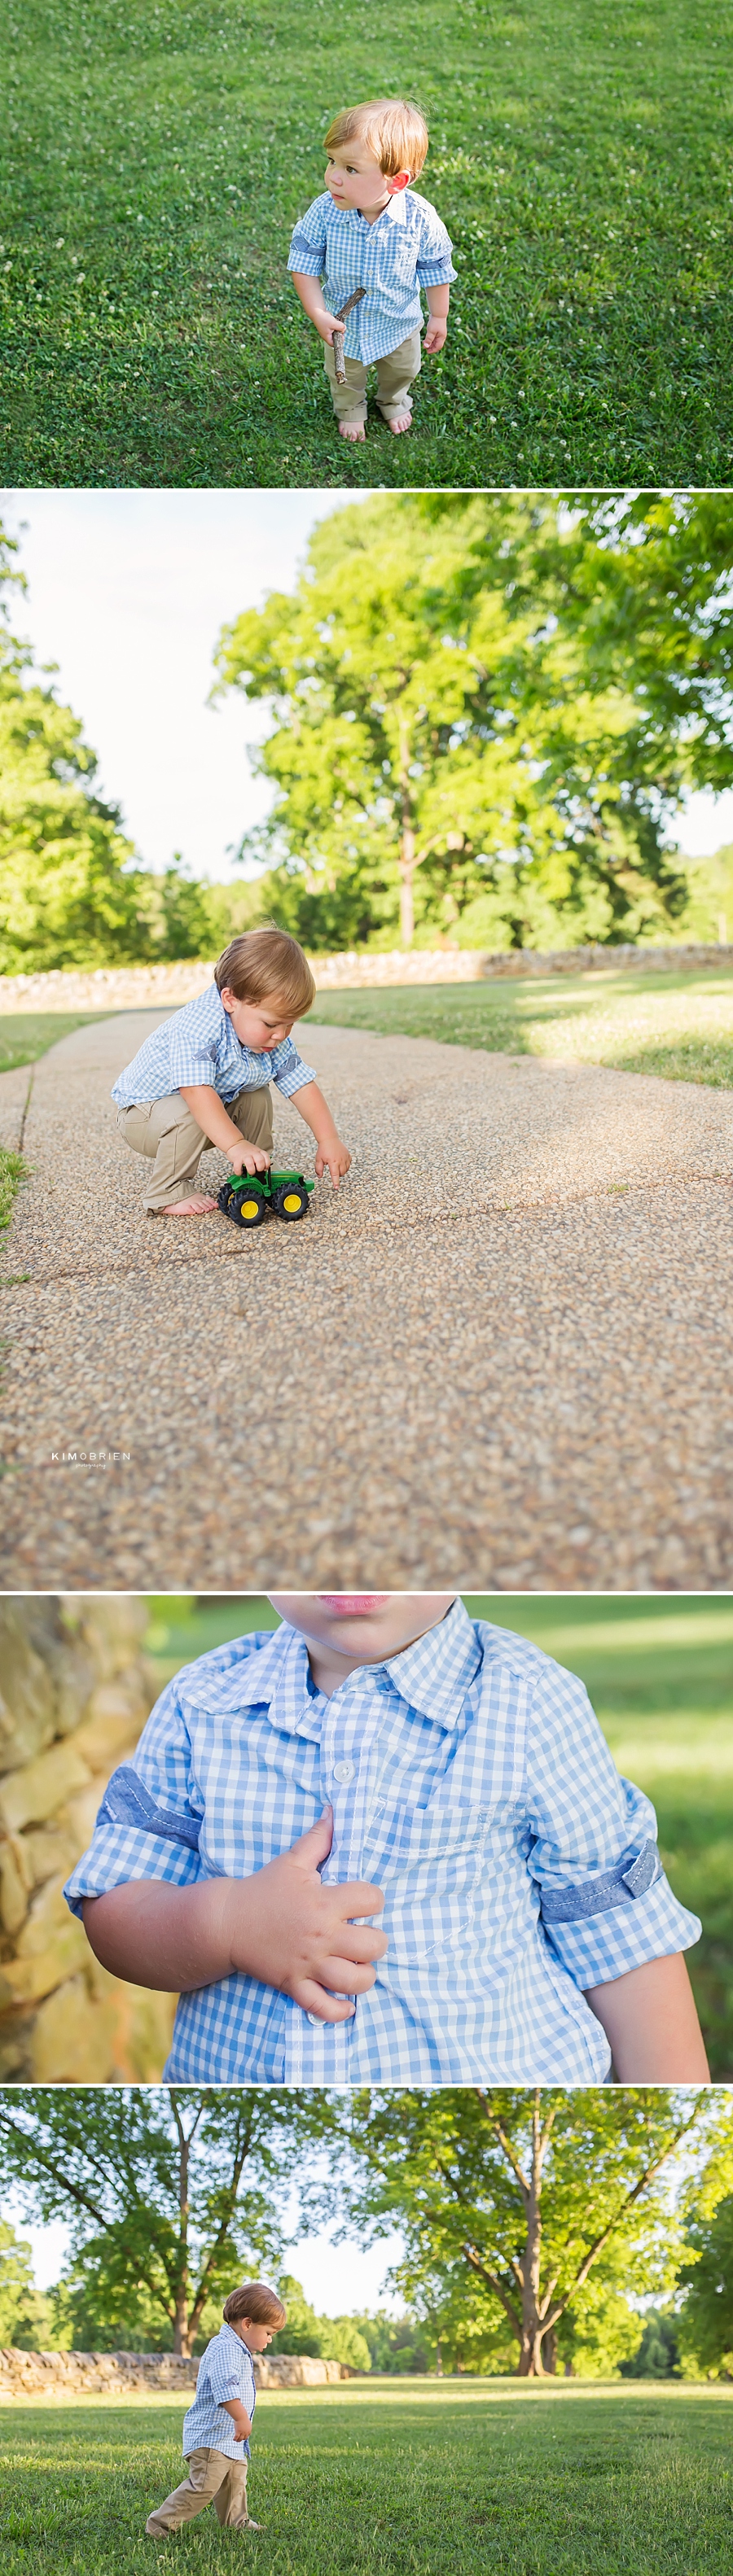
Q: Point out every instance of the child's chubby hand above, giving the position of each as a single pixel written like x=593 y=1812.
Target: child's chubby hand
x=292 y=1931
x=248 y=1158
x=335 y=1159
x=435 y=336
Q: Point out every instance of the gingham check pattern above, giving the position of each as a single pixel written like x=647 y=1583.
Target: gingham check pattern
x=200 y=1044
x=468 y=1775
x=225 y=2372
x=408 y=247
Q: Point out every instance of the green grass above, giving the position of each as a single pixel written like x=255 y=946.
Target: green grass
x=156 y=157
x=11 y=1174
x=24 y=1035
x=660 y=1676
x=679 y=1025
x=433 y=2482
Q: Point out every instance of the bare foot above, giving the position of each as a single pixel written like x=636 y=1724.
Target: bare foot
x=398 y=421
x=195 y=1206
x=352 y=429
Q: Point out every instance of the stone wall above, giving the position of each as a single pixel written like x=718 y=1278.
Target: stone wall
x=75 y=1691
x=127 y=988
x=125 y=2374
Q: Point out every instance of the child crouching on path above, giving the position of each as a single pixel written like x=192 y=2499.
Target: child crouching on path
x=203 y=1077
x=369 y=231
x=383 y=1754
x=217 y=2428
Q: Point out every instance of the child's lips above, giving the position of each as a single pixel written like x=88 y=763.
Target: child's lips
x=352 y=1605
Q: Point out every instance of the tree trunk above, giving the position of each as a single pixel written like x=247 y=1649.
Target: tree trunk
x=407 y=908
x=182 y=2336
x=407 y=844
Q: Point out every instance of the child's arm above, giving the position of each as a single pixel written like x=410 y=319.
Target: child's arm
x=240 y=2419
x=283 y=1926
x=214 y=1120
x=311 y=296
x=332 y=1156
x=651 y=2024
x=438 y=302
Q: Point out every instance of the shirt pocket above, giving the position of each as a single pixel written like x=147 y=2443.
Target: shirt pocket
x=433 y=1865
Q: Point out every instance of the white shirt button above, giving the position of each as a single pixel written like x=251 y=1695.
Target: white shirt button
x=343 y=1770
x=314 y=2019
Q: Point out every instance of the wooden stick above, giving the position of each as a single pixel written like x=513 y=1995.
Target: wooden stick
x=337 y=343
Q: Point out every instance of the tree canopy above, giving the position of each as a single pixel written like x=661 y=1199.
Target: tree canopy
x=526 y=2217
x=70 y=892
x=487 y=707
x=169 y=2193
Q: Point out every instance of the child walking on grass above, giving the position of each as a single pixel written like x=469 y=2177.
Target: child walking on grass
x=369 y=231
x=383 y=1754
x=204 y=1077
x=217 y=2428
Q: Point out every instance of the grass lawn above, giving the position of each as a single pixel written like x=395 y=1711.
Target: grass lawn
x=430 y=2481
x=24 y=1035
x=660 y=1677
x=679 y=1025
x=156 y=157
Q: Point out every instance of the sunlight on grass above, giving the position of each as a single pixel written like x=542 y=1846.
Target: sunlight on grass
x=679 y=1026
x=352 y=2482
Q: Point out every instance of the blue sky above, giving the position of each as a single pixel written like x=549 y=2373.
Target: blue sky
x=127 y=593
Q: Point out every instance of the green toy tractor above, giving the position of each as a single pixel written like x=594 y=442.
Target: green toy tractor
x=248 y=1197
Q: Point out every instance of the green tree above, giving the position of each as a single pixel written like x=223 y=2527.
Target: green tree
x=170 y=2194
x=658 y=2354
x=455 y=724
x=705 y=2324
x=510 y=2203
x=70 y=893
x=26 y=2314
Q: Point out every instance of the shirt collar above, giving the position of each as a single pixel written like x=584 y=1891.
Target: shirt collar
x=433 y=1675
x=395 y=211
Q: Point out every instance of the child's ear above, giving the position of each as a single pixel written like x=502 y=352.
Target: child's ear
x=396 y=186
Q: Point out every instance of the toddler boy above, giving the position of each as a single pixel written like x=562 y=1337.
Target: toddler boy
x=217 y=2428
x=384 y=1753
x=204 y=1076
x=369 y=230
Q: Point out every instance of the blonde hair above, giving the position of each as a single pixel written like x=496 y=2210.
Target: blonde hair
x=257 y=2302
x=267 y=962
x=392 y=127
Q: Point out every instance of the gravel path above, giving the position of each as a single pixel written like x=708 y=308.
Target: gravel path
x=500 y=1356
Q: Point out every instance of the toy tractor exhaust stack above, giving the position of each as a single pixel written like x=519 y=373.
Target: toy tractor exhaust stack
x=248 y=1198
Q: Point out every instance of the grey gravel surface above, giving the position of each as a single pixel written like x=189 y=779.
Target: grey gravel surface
x=500 y=1355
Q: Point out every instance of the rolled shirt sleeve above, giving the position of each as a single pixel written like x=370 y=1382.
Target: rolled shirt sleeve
x=289 y=1073
x=606 y=1904
x=307 y=251
x=435 y=263
x=150 y=1819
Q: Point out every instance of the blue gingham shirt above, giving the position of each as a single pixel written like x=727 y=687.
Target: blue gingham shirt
x=470 y=1781
x=225 y=2372
x=200 y=1044
x=408 y=247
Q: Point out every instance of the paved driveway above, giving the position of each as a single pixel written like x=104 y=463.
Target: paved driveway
x=500 y=1356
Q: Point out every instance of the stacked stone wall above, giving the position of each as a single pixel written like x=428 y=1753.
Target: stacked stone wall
x=125 y=2374
x=75 y=1691
x=127 y=988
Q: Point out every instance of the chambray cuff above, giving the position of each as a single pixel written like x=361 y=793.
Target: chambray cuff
x=118 y=1853
x=619 y=1921
x=436 y=272
x=302 y=255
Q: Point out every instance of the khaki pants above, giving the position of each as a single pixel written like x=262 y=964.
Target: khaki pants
x=212 y=2479
x=166 y=1131
x=395 y=374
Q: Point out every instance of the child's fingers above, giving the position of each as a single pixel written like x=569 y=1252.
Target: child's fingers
x=312 y=1999
x=346 y=1977
x=314 y=1846
x=357 y=1897
x=360 y=1946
